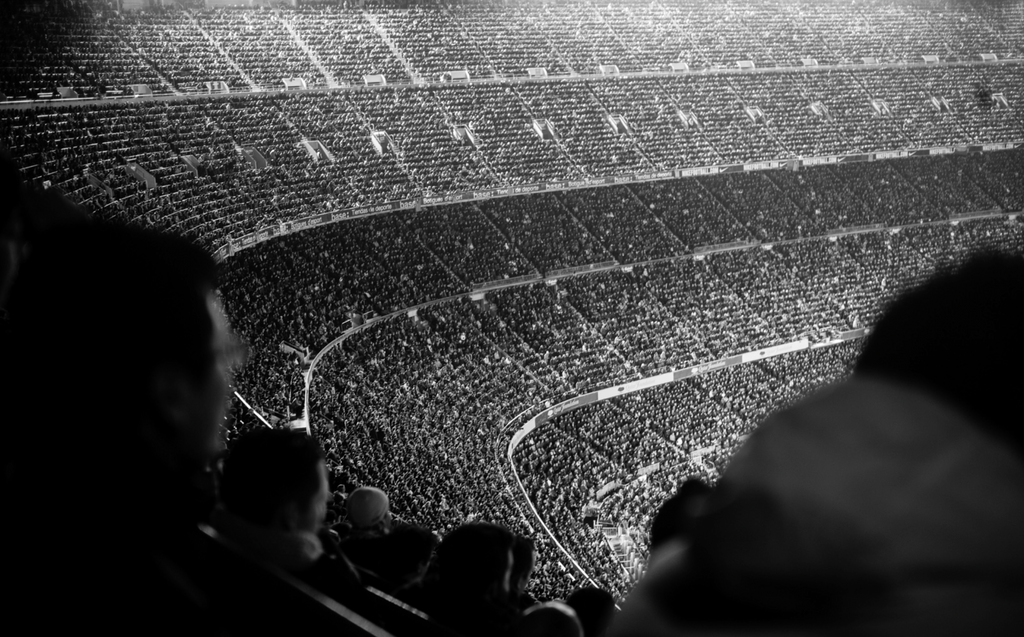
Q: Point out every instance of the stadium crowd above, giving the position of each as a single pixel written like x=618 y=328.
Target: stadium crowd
x=455 y=372
x=260 y=161
x=403 y=487
x=102 y=51
x=686 y=430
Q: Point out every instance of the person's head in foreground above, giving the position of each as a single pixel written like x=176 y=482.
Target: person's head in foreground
x=122 y=326
x=122 y=357
x=595 y=609
x=960 y=338
x=274 y=492
x=524 y=560
x=369 y=511
x=890 y=503
x=476 y=559
x=676 y=515
x=550 y=619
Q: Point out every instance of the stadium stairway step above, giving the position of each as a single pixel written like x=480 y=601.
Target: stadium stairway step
x=393 y=146
x=156 y=69
x=669 y=16
x=652 y=165
x=507 y=238
x=397 y=52
x=597 y=238
x=684 y=246
x=206 y=34
x=332 y=82
x=469 y=38
x=437 y=257
x=555 y=49
x=750 y=234
x=622 y=42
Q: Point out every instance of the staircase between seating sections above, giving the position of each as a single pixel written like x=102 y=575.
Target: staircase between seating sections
x=657 y=217
x=397 y=52
x=725 y=208
x=618 y=38
x=163 y=78
x=505 y=236
x=623 y=547
x=332 y=82
x=652 y=165
x=245 y=76
x=472 y=40
x=554 y=49
x=669 y=16
x=558 y=199
x=476 y=153
x=396 y=151
x=556 y=141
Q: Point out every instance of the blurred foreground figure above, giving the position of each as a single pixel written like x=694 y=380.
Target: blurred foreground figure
x=892 y=503
x=468 y=590
x=26 y=214
x=550 y=619
x=274 y=495
x=960 y=338
x=524 y=561
x=595 y=609
x=120 y=368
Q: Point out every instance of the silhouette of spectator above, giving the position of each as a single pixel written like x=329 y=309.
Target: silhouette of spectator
x=892 y=502
x=550 y=619
x=675 y=518
x=958 y=337
x=468 y=590
x=10 y=204
x=26 y=213
x=393 y=555
x=274 y=492
x=369 y=512
x=595 y=609
x=404 y=556
x=524 y=560
x=123 y=359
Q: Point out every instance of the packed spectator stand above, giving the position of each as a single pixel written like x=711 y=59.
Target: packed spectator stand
x=329 y=44
x=422 y=157
x=456 y=372
x=682 y=271
x=528 y=346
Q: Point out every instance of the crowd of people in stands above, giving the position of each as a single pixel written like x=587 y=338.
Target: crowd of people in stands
x=432 y=392
x=404 y=485
x=97 y=51
x=605 y=453
x=287 y=511
x=383 y=264
x=420 y=404
x=423 y=405
x=209 y=184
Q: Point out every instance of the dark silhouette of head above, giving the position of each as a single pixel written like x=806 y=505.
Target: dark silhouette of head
x=369 y=511
x=276 y=478
x=550 y=619
x=675 y=518
x=121 y=326
x=26 y=213
x=595 y=609
x=958 y=336
x=476 y=560
x=121 y=363
x=524 y=559
x=413 y=546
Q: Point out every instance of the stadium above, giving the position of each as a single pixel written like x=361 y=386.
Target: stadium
x=534 y=263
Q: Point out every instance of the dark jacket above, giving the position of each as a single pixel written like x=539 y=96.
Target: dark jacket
x=304 y=555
